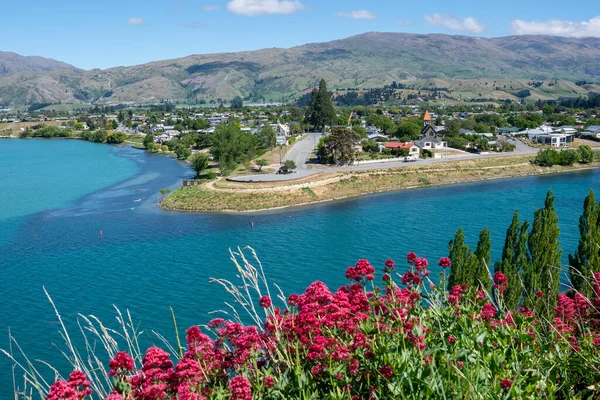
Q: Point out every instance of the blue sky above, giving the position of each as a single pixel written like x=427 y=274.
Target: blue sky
x=108 y=33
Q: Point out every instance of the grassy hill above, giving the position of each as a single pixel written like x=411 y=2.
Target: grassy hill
x=363 y=61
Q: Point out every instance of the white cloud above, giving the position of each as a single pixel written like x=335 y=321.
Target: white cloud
x=451 y=23
x=358 y=14
x=558 y=27
x=135 y=21
x=211 y=7
x=252 y=8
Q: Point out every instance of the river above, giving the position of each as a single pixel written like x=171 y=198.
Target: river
x=57 y=195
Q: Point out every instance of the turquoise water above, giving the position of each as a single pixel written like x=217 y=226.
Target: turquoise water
x=148 y=259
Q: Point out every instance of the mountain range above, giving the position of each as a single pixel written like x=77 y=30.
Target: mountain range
x=363 y=61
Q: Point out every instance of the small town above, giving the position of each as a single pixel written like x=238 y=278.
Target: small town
x=299 y=200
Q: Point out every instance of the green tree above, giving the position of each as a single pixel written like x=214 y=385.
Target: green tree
x=541 y=273
x=586 y=155
x=149 y=141
x=586 y=260
x=237 y=103
x=261 y=162
x=182 y=151
x=514 y=257
x=116 y=137
x=320 y=112
x=339 y=146
x=483 y=255
x=462 y=259
x=199 y=162
x=409 y=129
x=288 y=166
x=231 y=146
x=267 y=137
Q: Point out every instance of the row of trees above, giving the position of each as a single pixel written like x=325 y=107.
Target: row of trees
x=531 y=259
x=551 y=157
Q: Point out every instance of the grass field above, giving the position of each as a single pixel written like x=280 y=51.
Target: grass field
x=222 y=195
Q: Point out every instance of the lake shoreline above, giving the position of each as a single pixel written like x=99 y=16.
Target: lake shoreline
x=427 y=177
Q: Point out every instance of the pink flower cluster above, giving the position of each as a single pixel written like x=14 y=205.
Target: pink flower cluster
x=77 y=387
x=337 y=336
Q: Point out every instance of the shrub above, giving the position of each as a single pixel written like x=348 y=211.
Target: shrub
x=405 y=339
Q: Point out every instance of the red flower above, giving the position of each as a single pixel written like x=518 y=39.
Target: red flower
x=293 y=300
x=120 y=363
x=451 y=339
x=265 y=302
x=269 y=382
x=444 y=262
x=386 y=371
x=506 y=384
x=539 y=294
x=389 y=265
x=500 y=278
x=411 y=257
x=488 y=312
x=240 y=388
x=215 y=323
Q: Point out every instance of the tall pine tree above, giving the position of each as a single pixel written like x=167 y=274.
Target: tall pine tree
x=320 y=111
x=481 y=277
x=541 y=274
x=586 y=260
x=514 y=257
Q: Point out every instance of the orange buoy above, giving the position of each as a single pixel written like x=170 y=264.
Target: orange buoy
x=100 y=233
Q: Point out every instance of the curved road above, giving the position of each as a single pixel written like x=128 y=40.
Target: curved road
x=301 y=151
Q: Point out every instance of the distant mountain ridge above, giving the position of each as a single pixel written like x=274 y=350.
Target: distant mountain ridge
x=362 y=61
x=11 y=63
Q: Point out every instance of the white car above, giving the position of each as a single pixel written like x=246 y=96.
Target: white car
x=410 y=159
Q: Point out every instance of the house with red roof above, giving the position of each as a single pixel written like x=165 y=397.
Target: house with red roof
x=403 y=147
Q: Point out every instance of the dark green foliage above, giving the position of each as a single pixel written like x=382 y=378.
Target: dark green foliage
x=231 y=146
x=199 y=162
x=586 y=260
x=288 y=166
x=338 y=146
x=182 y=151
x=149 y=141
x=409 y=129
x=523 y=93
x=467 y=267
x=116 y=137
x=586 y=154
x=541 y=273
x=462 y=259
x=237 y=103
x=320 y=111
x=514 y=257
x=267 y=137
x=483 y=255
x=551 y=157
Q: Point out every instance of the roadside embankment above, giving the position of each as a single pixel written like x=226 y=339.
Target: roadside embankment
x=226 y=196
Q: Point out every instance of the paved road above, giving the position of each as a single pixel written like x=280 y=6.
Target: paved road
x=301 y=150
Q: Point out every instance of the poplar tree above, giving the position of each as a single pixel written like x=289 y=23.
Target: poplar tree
x=320 y=110
x=586 y=260
x=541 y=273
x=481 y=277
x=462 y=259
x=514 y=257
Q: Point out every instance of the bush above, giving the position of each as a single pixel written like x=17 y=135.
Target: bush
x=116 y=137
x=409 y=339
x=586 y=154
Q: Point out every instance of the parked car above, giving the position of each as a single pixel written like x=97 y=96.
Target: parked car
x=410 y=159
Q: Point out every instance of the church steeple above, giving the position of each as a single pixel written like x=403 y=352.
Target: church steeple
x=426 y=119
x=428 y=128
